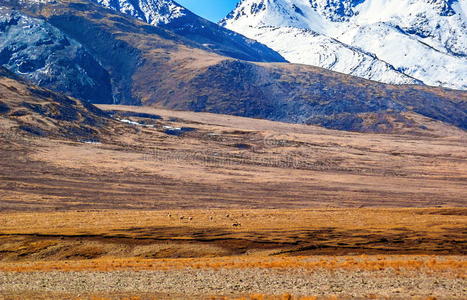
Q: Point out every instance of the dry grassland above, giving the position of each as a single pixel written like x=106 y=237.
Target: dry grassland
x=225 y=162
x=454 y=266
x=285 y=206
x=218 y=233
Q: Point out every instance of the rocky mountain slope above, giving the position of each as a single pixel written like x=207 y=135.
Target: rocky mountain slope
x=43 y=54
x=27 y=109
x=392 y=41
x=170 y=15
x=154 y=66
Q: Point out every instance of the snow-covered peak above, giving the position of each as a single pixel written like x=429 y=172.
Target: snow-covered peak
x=154 y=12
x=422 y=39
x=385 y=10
x=280 y=13
x=439 y=23
x=313 y=14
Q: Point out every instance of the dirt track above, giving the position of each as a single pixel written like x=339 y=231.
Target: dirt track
x=197 y=284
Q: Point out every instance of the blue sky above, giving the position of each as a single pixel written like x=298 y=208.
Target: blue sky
x=213 y=10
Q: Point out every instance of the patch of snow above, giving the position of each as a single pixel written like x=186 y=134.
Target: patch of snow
x=92 y=142
x=171 y=128
x=130 y=122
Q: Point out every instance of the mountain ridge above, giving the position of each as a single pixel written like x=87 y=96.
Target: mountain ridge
x=170 y=15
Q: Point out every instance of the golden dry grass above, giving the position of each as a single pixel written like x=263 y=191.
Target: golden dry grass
x=252 y=220
x=222 y=233
x=455 y=265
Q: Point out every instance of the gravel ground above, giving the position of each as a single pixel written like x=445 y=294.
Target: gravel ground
x=197 y=284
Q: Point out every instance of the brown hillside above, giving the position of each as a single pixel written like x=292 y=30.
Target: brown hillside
x=27 y=109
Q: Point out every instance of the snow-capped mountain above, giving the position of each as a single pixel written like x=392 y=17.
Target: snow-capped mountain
x=392 y=41
x=171 y=15
x=85 y=50
x=154 y=12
